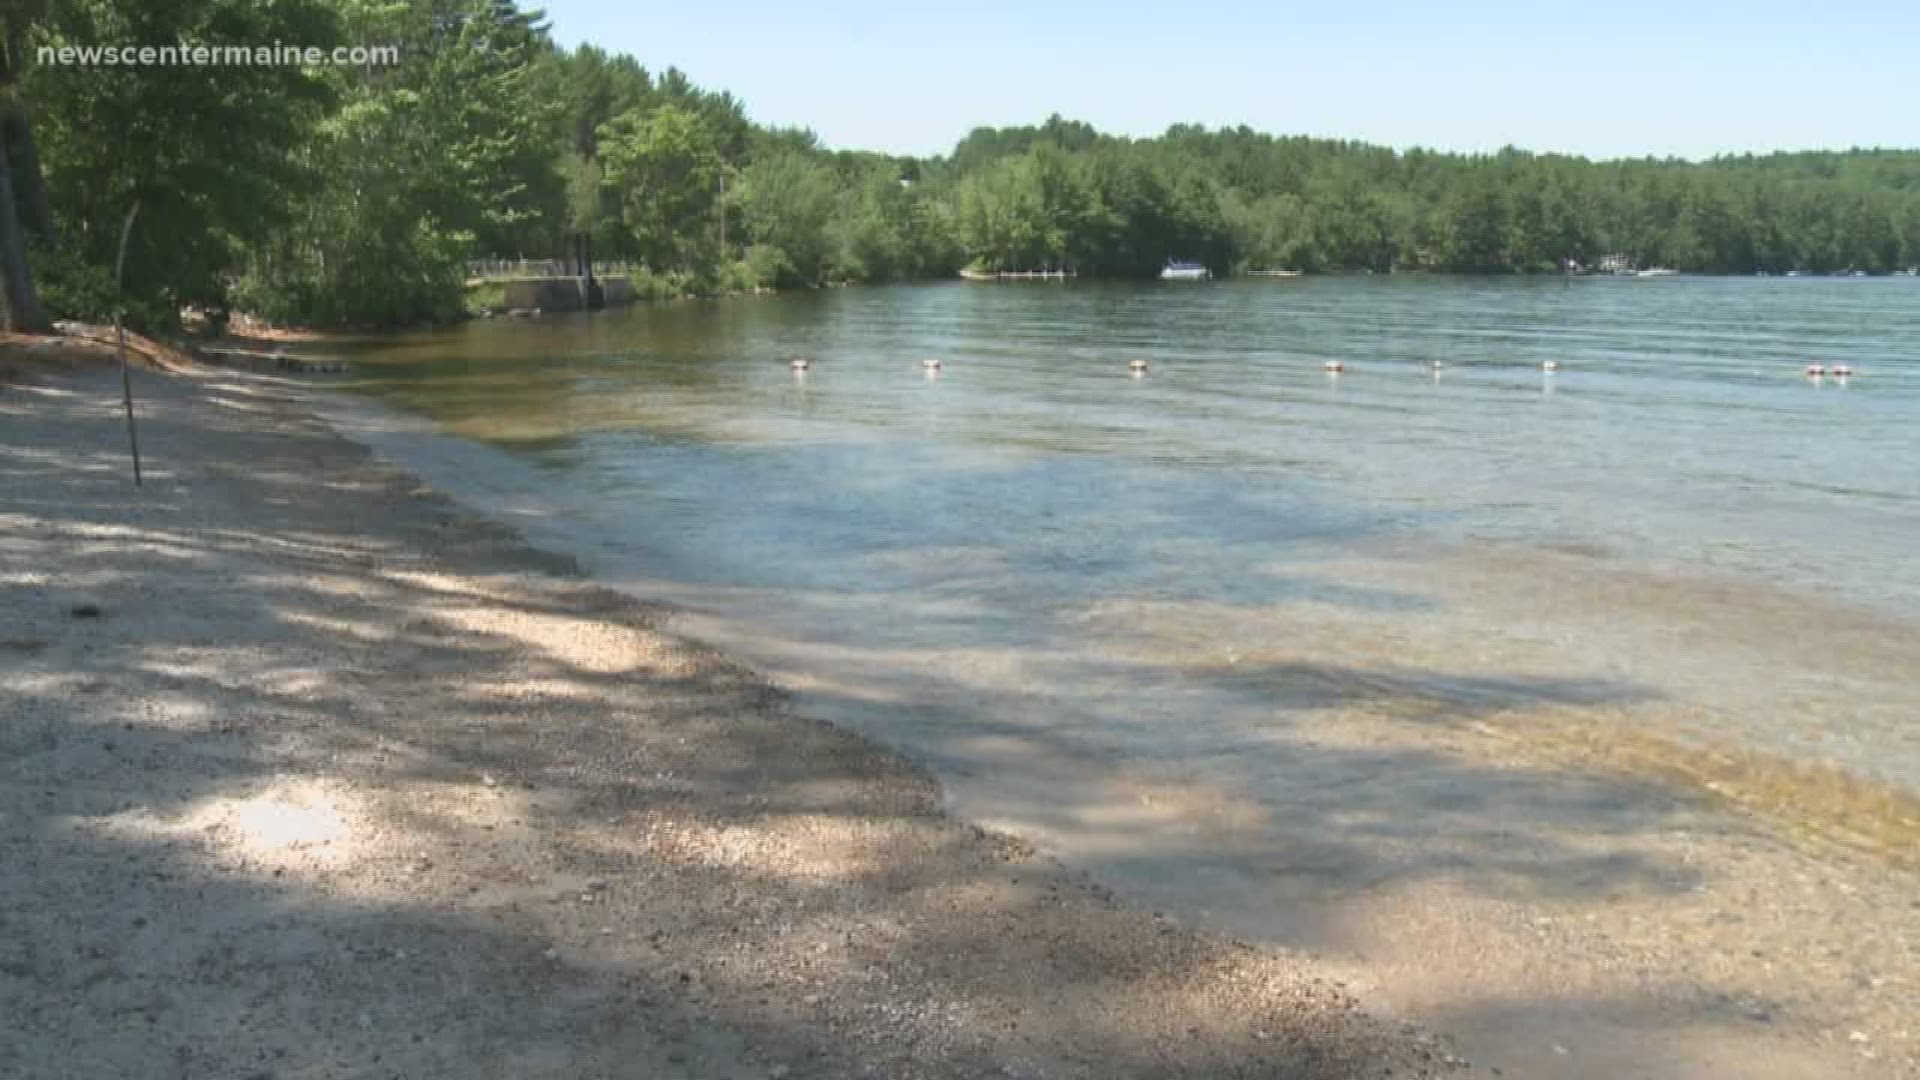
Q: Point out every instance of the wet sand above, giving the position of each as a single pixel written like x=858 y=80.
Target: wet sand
x=306 y=771
x=1466 y=839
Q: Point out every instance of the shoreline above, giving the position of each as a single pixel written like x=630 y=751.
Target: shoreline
x=1533 y=889
x=1738 y=969
x=314 y=770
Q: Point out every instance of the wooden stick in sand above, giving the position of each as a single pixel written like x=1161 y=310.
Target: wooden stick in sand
x=120 y=336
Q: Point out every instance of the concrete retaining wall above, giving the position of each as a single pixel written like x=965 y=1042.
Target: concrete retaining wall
x=618 y=291
x=564 y=293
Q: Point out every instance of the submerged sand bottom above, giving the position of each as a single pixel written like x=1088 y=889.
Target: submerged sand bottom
x=1555 y=883
x=1593 y=818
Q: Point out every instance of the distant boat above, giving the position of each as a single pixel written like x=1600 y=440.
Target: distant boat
x=1274 y=273
x=1185 y=271
x=979 y=275
x=1657 y=271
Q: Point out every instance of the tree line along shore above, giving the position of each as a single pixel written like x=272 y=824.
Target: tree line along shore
x=340 y=196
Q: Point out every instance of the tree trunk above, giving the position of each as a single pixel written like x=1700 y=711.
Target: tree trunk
x=24 y=312
x=25 y=155
x=17 y=132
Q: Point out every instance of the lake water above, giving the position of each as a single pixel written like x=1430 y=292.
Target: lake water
x=1224 y=633
x=1679 y=430
x=1676 y=513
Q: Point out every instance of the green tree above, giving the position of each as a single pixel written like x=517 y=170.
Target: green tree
x=423 y=164
x=665 y=167
x=788 y=199
x=211 y=153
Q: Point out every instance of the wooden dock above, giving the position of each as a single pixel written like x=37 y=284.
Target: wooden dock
x=1018 y=275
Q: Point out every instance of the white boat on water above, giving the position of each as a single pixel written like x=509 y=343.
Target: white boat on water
x=1658 y=271
x=1185 y=271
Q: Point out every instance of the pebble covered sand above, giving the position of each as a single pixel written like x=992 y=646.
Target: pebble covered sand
x=305 y=772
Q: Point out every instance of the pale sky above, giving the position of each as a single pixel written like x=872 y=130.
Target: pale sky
x=1605 y=78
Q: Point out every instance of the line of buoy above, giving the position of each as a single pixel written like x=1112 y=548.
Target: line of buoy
x=1339 y=367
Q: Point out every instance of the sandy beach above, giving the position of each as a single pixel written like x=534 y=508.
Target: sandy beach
x=310 y=771
x=305 y=772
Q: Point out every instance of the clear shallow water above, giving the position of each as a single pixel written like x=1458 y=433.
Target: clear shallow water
x=1223 y=635
x=1676 y=515
x=1678 y=432
x=1677 y=524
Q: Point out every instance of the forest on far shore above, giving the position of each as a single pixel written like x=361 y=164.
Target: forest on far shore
x=356 y=196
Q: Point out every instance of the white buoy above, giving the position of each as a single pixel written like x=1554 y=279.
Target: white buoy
x=1435 y=365
x=930 y=365
x=1333 y=367
x=1814 y=371
x=800 y=363
x=1549 y=365
x=1842 y=371
x=1136 y=365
